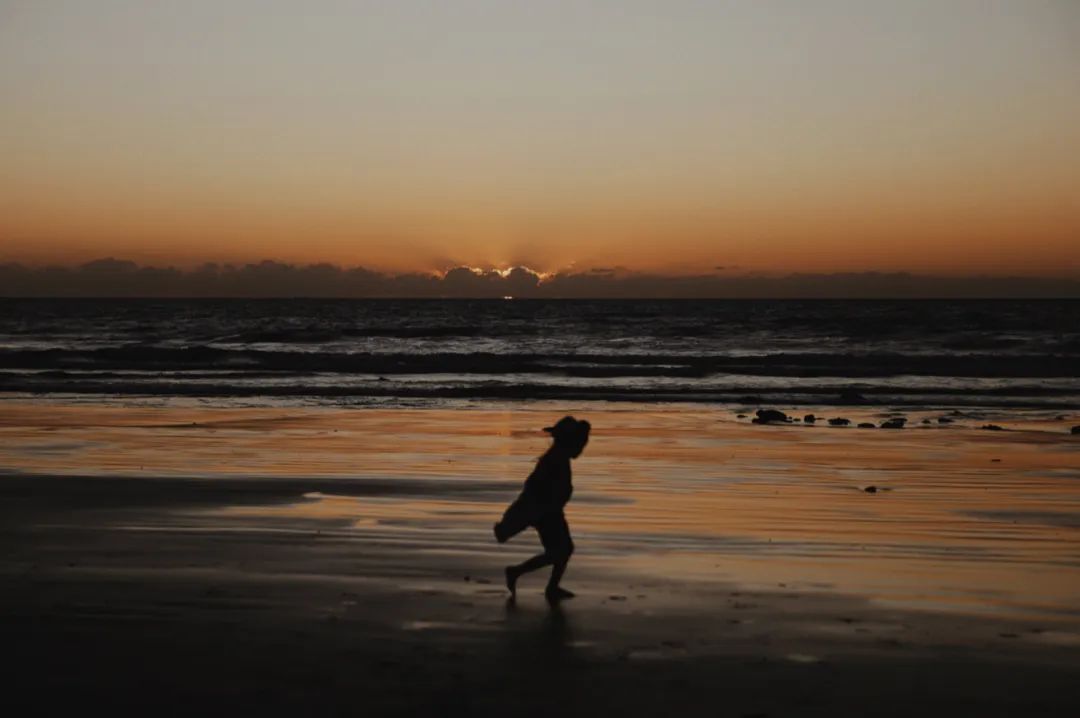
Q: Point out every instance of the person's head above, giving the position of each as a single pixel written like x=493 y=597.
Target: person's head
x=570 y=435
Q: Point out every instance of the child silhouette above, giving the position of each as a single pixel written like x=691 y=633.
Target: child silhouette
x=540 y=505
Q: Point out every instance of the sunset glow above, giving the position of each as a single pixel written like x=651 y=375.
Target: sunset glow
x=674 y=138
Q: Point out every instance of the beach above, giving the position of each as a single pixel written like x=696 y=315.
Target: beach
x=553 y=360
x=178 y=556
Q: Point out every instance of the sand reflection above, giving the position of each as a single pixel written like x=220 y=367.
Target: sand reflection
x=960 y=520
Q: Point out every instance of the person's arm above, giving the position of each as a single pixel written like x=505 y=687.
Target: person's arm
x=553 y=482
x=561 y=485
x=542 y=486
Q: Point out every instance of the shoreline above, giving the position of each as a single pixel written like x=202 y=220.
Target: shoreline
x=737 y=402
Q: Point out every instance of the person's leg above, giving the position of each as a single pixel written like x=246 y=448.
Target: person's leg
x=513 y=573
x=558 y=568
x=560 y=547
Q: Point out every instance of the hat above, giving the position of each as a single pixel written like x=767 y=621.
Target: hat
x=568 y=426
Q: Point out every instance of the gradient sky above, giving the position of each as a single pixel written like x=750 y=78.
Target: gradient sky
x=937 y=136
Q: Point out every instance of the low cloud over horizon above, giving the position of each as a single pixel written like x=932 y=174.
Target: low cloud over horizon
x=110 y=277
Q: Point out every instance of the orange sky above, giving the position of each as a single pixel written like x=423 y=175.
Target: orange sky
x=929 y=137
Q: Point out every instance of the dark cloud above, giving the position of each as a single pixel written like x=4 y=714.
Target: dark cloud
x=112 y=277
x=110 y=265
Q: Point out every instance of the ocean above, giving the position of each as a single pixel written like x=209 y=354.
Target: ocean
x=910 y=353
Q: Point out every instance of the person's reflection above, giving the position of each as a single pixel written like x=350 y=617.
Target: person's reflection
x=548 y=636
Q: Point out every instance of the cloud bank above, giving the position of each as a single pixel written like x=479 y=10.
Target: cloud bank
x=123 y=278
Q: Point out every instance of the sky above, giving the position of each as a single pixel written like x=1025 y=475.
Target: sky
x=940 y=137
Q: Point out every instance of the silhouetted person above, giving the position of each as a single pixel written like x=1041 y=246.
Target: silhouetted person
x=540 y=505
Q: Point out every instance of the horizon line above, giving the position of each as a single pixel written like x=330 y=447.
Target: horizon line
x=112 y=278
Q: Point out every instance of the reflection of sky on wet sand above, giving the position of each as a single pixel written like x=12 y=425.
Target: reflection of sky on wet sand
x=683 y=493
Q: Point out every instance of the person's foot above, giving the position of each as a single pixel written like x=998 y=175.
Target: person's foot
x=557 y=594
x=511 y=580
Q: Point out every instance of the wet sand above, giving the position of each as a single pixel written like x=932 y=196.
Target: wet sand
x=184 y=559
